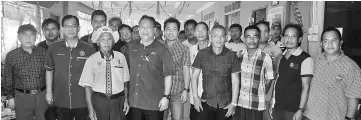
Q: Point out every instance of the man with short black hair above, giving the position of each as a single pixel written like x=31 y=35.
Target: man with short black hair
x=189 y=27
x=135 y=33
x=24 y=77
x=64 y=63
x=151 y=73
x=235 y=43
x=182 y=36
x=51 y=31
x=295 y=73
x=98 y=19
x=114 y=24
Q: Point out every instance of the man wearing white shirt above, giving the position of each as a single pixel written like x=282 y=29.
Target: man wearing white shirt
x=189 y=27
x=201 y=33
x=235 y=43
x=105 y=77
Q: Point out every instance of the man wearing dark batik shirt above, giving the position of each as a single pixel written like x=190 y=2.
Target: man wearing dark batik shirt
x=151 y=74
x=24 y=76
x=220 y=68
x=64 y=63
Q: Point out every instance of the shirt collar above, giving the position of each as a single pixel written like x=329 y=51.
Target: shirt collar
x=297 y=52
x=166 y=43
x=257 y=53
x=33 y=49
x=322 y=56
x=231 y=41
x=67 y=45
x=223 y=52
x=111 y=53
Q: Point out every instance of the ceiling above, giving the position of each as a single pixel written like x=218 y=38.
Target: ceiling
x=180 y=9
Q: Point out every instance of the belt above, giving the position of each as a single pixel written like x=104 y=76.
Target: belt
x=31 y=91
x=114 y=96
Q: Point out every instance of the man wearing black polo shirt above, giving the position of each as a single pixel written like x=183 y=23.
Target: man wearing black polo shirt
x=64 y=63
x=51 y=30
x=151 y=74
x=295 y=74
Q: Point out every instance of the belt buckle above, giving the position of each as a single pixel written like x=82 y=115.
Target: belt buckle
x=33 y=91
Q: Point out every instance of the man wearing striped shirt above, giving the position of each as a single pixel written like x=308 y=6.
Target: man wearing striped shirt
x=256 y=76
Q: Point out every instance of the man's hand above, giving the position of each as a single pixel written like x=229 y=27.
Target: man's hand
x=92 y=114
x=197 y=104
x=11 y=103
x=163 y=104
x=297 y=115
x=49 y=98
x=231 y=109
x=184 y=96
x=126 y=106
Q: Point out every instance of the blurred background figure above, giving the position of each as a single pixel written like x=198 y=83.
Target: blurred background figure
x=182 y=36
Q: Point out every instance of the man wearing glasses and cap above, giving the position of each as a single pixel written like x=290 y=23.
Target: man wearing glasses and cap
x=105 y=77
x=24 y=77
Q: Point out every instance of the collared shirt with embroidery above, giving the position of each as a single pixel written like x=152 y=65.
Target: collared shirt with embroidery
x=193 y=53
x=94 y=72
x=23 y=70
x=148 y=67
x=217 y=70
x=235 y=47
x=333 y=82
x=181 y=57
x=288 y=87
x=68 y=64
x=256 y=71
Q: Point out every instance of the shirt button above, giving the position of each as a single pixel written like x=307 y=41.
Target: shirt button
x=71 y=66
x=70 y=75
x=136 y=84
x=137 y=74
x=139 y=64
x=69 y=93
x=70 y=84
x=136 y=93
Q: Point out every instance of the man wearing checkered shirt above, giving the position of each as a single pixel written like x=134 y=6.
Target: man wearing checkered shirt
x=256 y=76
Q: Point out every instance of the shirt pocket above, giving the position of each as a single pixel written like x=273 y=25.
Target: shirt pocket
x=153 y=65
x=206 y=68
x=226 y=69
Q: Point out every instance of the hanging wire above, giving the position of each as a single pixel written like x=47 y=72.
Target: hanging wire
x=144 y=9
x=164 y=10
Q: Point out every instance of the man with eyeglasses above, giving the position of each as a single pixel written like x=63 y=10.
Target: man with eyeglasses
x=64 y=62
x=98 y=20
x=24 y=77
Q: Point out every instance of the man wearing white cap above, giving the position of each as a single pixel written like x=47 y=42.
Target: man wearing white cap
x=105 y=77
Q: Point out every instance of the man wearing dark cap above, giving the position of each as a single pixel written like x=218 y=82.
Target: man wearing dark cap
x=24 y=77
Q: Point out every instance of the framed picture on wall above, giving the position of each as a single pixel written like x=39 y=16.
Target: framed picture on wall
x=275 y=3
x=259 y=14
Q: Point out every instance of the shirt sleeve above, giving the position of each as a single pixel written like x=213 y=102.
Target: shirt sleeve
x=48 y=60
x=307 y=67
x=268 y=69
x=8 y=76
x=125 y=69
x=186 y=59
x=353 y=80
x=235 y=65
x=87 y=77
x=197 y=63
x=167 y=63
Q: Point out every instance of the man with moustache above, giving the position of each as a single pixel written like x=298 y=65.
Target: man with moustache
x=189 y=27
x=220 y=68
x=336 y=84
x=295 y=74
x=98 y=19
x=201 y=33
x=105 y=78
x=181 y=63
x=51 y=31
x=151 y=74
x=64 y=63
x=256 y=77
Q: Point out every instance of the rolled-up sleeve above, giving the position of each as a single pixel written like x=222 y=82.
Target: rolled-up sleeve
x=125 y=69
x=48 y=60
x=87 y=76
x=167 y=63
x=353 y=80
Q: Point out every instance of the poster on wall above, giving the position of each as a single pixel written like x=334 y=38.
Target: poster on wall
x=259 y=14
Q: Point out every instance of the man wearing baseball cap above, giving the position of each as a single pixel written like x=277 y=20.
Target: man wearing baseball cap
x=105 y=77
x=24 y=76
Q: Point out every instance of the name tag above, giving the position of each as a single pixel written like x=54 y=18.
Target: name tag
x=294 y=66
x=60 y=54
x=118 y=66
x=84 y=58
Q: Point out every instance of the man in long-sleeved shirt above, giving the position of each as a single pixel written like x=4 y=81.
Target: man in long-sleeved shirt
x=24 y=76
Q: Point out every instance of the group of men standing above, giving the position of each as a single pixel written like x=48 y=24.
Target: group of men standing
x=119 y=72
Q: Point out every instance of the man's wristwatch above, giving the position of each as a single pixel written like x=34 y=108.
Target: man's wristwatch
x=348 y=118
x=186 y=89
x=302 y=109
x=167 y=96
